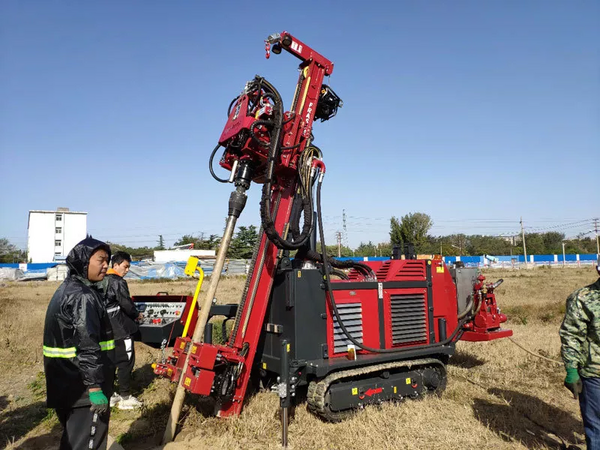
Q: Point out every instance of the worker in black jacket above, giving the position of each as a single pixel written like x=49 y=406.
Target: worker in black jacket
x=123 y=314
x=78 y=347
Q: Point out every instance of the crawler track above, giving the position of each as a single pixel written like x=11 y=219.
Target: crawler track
x=318 y=390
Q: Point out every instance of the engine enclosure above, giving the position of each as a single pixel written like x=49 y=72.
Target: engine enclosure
x=411 y=306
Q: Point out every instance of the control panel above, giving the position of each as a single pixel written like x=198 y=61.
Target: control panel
x=162 y=316
x=156 y=313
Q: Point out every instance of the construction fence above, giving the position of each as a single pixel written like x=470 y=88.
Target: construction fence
x=145 y=270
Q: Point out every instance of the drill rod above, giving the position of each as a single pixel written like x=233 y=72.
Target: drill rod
x=203 y=316
x=284 y=395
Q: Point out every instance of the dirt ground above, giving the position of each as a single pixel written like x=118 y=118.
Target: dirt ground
x=498 y=397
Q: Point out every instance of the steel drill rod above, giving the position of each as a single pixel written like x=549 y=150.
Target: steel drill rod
x=284 y=427
x=284 y=397
x=200 y=326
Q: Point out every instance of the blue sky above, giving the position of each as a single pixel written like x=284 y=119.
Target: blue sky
x=473 y=112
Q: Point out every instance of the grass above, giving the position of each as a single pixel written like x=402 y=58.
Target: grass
x=498 y=396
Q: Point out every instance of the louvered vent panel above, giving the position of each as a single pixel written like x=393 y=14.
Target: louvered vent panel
x=353 y=275
x=383 y=271
x=411 y=269
x=351 y=315
x=409 y=323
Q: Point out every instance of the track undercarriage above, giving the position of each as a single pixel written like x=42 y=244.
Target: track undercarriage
x=340 y=394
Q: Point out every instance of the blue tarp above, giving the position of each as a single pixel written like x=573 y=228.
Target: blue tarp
x=30 y=267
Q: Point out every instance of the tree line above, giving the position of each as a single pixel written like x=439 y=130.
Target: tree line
x=411 y=228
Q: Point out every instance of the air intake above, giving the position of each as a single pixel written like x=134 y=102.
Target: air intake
x=411 y=269
x=409 y=321
x=351 y=315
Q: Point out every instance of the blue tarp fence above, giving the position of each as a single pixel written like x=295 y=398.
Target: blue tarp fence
x=143 y=270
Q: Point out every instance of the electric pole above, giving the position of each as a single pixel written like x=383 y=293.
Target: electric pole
x=338 y=235
x=345 y=228
x=523 y=235
x=596 y=230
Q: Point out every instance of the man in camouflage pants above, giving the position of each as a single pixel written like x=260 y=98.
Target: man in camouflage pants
x=580 y=337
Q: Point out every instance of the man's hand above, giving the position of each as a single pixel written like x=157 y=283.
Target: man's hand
x=573 y=382
x=98 y=400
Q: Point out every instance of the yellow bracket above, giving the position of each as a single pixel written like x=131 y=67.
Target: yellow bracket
x=191 y=267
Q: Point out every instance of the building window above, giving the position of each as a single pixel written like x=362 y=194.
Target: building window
x=58 y=242
x=59 y=217
x=58 y=230
x=57 y=254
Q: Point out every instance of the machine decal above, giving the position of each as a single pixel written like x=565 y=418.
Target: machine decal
x=370 y=392
x=297 y=47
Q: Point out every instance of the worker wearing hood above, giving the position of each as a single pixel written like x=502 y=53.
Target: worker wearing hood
x=78 y=347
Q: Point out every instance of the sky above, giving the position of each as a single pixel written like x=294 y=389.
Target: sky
x=476 y=113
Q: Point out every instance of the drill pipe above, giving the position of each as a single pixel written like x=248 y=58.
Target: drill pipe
x=200 y=325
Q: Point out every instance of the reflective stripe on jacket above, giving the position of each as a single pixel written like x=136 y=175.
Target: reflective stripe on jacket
x=78 y=344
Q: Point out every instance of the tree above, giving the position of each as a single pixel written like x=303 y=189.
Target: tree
x=242 y=245
x=161 y=243
x=332 y=250
x=366 y=249
x=137 y=253
x=553 y=242
x=9 y=253
x=395 y=234
x=413 y=228
x=186 y=239
x=212 y=243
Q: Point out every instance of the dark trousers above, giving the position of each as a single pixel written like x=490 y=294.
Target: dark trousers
x=83 y=429
x=125 y=354
x=589 y=402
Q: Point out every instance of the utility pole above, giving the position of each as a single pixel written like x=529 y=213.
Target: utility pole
x=339 y=243
x=523 y=235
x=564 y=257
x=345 y=228
x=596 y=230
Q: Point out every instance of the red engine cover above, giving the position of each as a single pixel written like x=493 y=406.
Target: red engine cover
x=412 y=298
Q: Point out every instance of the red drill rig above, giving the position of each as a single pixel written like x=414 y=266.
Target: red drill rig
x=377 y=331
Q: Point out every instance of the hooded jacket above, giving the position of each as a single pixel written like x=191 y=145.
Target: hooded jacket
x=78 y=338
x=120 y=307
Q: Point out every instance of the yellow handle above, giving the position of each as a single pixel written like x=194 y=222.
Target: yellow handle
x=194 y=301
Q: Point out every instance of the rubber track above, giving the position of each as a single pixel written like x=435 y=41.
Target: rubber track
x=317 y=390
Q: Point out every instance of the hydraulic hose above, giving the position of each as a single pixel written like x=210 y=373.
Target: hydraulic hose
x=336 y=313
x=267 y=221
x=467 y=309
x=210 y=166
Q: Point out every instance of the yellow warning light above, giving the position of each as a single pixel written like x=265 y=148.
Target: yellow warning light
x=154 y=365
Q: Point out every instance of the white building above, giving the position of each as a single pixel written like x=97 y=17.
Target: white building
x=179 y=255
x=52 y=234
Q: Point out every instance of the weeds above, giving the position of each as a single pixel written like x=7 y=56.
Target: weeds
x=38 y=386
x=467 y=412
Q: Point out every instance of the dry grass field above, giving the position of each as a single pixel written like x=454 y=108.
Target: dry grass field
x=498 y=395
